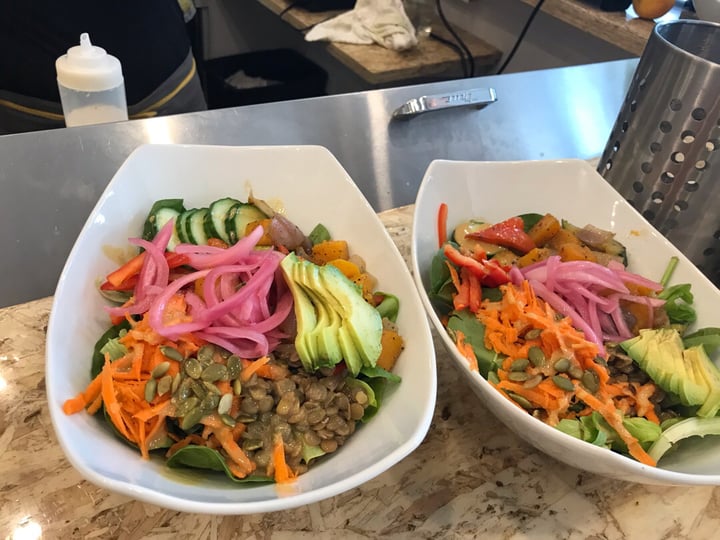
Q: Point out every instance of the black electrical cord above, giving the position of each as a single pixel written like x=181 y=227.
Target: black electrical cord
x=521 y=36
x=287 y=8
x=466 y=57
x=458 y=50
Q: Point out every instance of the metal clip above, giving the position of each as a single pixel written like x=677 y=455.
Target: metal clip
x=475 y=97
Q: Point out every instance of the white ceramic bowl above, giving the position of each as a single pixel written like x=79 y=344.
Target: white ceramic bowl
x=707 y=10
x=575 y=191
x=312 y=187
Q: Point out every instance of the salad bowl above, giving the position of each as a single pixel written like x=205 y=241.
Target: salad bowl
x=572 y=190
x=307 y=185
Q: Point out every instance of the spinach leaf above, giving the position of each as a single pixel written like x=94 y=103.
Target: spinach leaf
x=319 y=234
x=389 y=307
x=474 y=331
x=441 y=285
x=678 y=303
x=98 y=359
x=202 y=457
x=378 y=372
x=529 y=220
x=494 y=294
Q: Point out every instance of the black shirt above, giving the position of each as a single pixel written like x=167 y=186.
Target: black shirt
x=147 y=36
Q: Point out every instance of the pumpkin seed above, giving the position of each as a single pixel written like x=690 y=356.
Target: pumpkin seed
x=228 y=420
x=192 y=418
x=205 y=353
x=493 y=378
x=252 y=444
x=562 y=365
x=575 y=371
x=600 y=360
x=160 y=370
x=185 y=389
x=563 y=383
x=533 y=381
x=211 y=388
x=520 y=364
x=518 y=376
x=533 y=334
x=171 y=353
x=210 y=402
x=164 y=384
x=193 y=368
x=214 y=372
x=237 y=387
x=233 y=366
x=198 y=389
x=177 y=379
x=590 y=381
x=524 y=403
x=246 y=418
x=150 y=389
x=185 y=406
x=536 y=356
x=225 y=403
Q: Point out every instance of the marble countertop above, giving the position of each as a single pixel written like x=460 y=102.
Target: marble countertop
x=470 y=478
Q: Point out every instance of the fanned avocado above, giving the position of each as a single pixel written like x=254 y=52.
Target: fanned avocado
x=324 y=335
x=711 y=376
x=335 y=322
x=660 y=353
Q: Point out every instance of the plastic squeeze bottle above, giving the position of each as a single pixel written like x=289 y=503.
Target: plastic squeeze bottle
x=91 y=84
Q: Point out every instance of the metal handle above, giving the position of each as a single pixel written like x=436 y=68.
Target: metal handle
x=475 y=97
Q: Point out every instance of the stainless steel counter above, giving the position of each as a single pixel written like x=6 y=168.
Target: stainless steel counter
x=49 y=181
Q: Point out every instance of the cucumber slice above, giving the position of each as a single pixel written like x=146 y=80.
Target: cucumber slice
x=181 y=226
x=215 y=228
x=149 y=228
x=162 y=217
x=238 y=218
x=195 y=226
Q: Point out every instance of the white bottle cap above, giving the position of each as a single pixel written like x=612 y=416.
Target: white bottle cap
x=88 y=68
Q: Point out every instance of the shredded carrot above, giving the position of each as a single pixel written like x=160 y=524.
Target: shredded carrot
x=461 y=298
x=466 y=350
x=74 y=405
x=250 y=368
x=283 y=473
x=520 y=311
x=610 y=414
x=182 y=443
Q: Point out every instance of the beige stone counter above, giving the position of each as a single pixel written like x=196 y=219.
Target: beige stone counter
x=470 y=478
x=622 y=29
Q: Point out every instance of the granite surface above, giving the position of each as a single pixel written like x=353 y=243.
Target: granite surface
x=470 y=478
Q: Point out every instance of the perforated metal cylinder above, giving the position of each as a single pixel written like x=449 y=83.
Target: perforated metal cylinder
x=663 y=154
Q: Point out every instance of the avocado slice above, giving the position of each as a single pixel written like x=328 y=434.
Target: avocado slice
x=306 y=317
x=341 y=324
x=362 y=320
x=710 y=374
x=324 y=335
x=660 y=353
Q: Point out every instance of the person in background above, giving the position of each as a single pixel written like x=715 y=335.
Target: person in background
x=149 y=38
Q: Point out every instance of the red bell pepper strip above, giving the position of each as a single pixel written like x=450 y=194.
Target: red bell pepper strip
x=442 y=224
x=489 y=272
x=509 y=233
